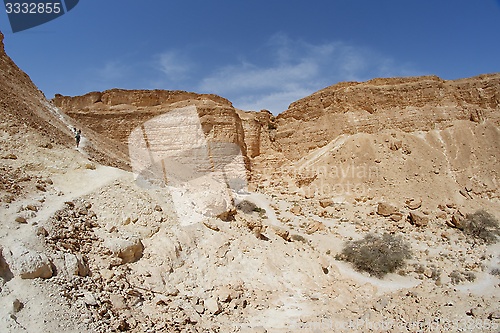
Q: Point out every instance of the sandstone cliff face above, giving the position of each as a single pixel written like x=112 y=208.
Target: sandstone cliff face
x=136 y=98
x=408 y=104
x=259 y=129
x=402 y=104
x=116 y=113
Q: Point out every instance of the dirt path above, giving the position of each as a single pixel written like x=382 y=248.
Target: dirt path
x=77 y=183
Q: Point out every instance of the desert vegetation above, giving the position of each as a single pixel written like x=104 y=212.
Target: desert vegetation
x=482 y=227
x=376 y=254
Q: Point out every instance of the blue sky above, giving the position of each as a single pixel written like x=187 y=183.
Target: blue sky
x=258 y=54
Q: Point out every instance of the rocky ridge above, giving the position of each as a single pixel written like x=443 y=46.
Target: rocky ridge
x=406 y=104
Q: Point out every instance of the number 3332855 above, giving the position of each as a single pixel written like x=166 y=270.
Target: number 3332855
x=33 y=8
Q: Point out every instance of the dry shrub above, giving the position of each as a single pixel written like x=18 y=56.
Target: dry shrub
x=459 y=277
x=298 y=238
x=375 y=254
x=246 y=206
x=495 y=272
x=249 y=207
x=482 y=226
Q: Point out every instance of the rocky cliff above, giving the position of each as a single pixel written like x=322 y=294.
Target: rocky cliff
x=26 y=110
x=407 y=104
x=23 y=105
x=116 y=113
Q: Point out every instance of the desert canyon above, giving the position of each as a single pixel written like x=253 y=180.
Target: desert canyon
x=85 y=246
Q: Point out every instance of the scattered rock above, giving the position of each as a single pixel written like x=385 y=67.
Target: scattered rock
x=296 y=210
x=224 y=294
x=228 y=215
x=10 y=157
x=121 y=325
x=428 y=272
x=441 y=215
x=381 y=304
x=172 y=291
x=281 y=232
x=90 y=166
x=8 y=198
x=418 y=219
x=414 y=203
x=199 y=308
x=33 y=208
x=396 y=217
x=21 y=220
x=193 y=315
x=17 y=305
x=325 y=203
x=309 y=194
x=386 y=209
x=75 y=265
x=41 y=188
x=5 y=272
x=457 y=220
x=210 y=224
x=90 y=299
x=477 y=116
x=315 y=226
x=212 y=306
x=466 y=194
x=161 y=300
x=246 y=206
x=442 y=207
x=396 y=145
x=494 y=315
x=118 y=301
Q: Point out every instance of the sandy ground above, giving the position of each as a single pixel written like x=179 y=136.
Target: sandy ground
x=272 y=284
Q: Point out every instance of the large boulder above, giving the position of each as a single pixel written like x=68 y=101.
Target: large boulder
x=26 y=263
x=75 y=264
x=5 y=272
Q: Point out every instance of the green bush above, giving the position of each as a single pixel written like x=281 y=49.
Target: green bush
x=375 y=254
x=482 y=226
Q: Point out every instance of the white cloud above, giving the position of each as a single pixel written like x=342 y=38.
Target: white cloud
x=111 y=74
x=174 y=65
x=113 y=70
x=283 y=71
x=274 y=101
x=248 y=77
x=296 y=69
